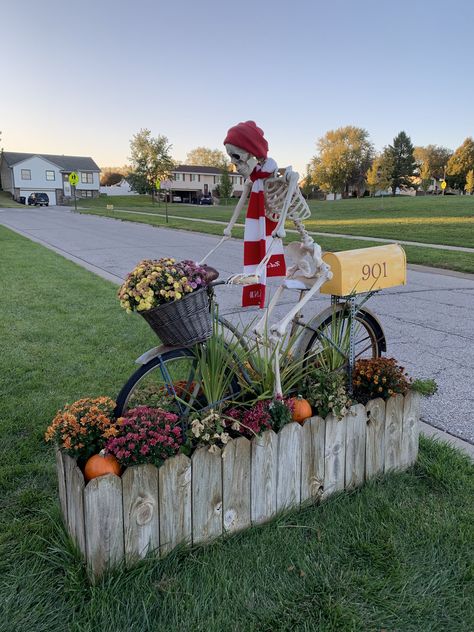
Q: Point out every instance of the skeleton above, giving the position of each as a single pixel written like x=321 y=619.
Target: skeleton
x=308 y=272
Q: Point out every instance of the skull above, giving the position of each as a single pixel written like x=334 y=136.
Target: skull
x=243 y=161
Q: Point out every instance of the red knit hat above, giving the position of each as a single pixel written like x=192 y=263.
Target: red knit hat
x=249 y=137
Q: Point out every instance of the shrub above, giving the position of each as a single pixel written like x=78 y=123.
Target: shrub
x=424 y=387
x=327 y=392
x=145 y=435
x=208 y=428
x=378 y=377
x=82 y=428
x=265 y=414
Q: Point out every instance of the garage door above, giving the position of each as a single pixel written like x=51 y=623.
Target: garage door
x=51 y=195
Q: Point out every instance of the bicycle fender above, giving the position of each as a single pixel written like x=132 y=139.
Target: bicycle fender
x=156 y=351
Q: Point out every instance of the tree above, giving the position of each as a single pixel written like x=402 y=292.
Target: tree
x=378 y=177
x=307 y=185
x=344 y=156
x=460 y=163
x=403 y=162
x=437 y=158
x=469 y=186
x=425 y=176
x=112 y=175
x=224 y=188
x=205 y=157
x=151 y=160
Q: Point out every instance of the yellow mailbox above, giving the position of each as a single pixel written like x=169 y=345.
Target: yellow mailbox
x=365 y=269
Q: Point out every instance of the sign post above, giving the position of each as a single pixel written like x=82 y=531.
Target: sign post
x=73 y=180
x=167 y=187
x=158 y=187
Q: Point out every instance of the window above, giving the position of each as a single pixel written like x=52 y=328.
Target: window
x=217 y=179
x=85 y=193
x=87 y=178
x=26 y=174
x=50 y=175
x=192 y=177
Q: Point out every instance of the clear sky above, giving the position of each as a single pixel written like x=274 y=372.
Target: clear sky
x=83 y=77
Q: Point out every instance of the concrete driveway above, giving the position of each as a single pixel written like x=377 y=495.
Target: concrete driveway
x=428 y=323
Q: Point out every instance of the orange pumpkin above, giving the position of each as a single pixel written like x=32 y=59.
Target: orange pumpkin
x=301 y=409
x=101 y=464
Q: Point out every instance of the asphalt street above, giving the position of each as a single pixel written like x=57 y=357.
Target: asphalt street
x=428 y=323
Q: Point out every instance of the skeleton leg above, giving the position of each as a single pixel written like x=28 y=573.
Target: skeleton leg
x=278 y=330
x=260 y=326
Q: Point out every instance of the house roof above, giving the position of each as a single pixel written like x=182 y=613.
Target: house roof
x=197 y=169
x=67 y=163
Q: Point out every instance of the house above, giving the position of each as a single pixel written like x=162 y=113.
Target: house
x=121 y=188
x=190 y=182
x=22 y=174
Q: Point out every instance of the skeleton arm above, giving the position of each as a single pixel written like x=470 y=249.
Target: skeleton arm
x=233 y=219
x=238 y=208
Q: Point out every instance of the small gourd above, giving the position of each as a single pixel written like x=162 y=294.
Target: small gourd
x=301 y=409
x=101 y=464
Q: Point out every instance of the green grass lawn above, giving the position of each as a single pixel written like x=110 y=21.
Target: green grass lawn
x=431 y=219
x=7 y=202
x=396 y=555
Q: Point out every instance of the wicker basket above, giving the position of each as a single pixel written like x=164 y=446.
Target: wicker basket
x=184 y=322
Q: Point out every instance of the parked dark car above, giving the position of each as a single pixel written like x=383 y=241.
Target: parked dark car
x=206 y=199
x=38 y=199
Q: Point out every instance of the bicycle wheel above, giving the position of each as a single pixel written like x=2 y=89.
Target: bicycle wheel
x=330 y=340
x=169 y=380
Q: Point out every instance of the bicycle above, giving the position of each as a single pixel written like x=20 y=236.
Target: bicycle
x=172 y=371
x=346 y=327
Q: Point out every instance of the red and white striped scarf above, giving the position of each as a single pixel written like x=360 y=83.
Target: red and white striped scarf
x=257 y=238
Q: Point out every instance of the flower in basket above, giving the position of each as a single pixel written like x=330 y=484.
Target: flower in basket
x=81 y=429
x=157 y=281
x=145 y=435
x=378 y=377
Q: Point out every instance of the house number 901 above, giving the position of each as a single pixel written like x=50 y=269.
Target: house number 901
x=374 y=271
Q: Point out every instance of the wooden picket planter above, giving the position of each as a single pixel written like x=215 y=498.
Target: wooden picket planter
x=195 y=500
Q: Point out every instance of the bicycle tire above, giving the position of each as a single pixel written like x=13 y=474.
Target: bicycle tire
x=365 y=320
x=155 y=366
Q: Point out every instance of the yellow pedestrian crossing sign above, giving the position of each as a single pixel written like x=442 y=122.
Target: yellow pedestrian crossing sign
x=443 y=184
x=73 y=178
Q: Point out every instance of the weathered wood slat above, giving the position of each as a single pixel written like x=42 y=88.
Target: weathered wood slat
x=393 y=432
x=103 y=508
x=334 y=455
x=356 y=422
x=236 y=485
x=140 y=511
x=289 y=466
x=175 y=502
x=74 y=481
x=206 y=494
x=375 y=437
x=263 y=480
x=312 y=458
x=61 y=484
x=411 y=428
